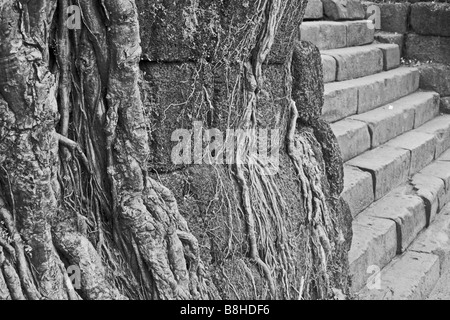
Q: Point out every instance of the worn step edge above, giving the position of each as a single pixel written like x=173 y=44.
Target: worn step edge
x=346 y=98
x=389 y=156
x=411 y=276
x=366 y=253
x=333 y=34
x=359 y=133
x=360 y=61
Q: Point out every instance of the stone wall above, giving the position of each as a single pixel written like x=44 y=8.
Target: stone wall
x=200 y=63
x=422 y=29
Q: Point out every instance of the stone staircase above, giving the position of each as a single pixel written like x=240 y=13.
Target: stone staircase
x=396 y=148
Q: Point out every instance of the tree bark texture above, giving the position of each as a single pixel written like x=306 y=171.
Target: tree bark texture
x=86 y=177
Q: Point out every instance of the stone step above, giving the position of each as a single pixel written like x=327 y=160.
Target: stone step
x=343 y=10
x=359 y=133
x=314 y=10
x=360 y=61
x=440 y=128
x=411 y=276
x=390 y=37
x=389 y=167
x=332 y=34
x=358 y=189
x=425 y=261
x=410 y=207
x=353 y=137
x=436 y=240
x=391 y=163
x=394 y=221
x=404 y=207
x=356 y=96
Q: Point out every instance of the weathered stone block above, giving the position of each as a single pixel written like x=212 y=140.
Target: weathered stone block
x=440 y=128
x=358 y=189
x=391 y=55
x=401 y=115
x=445 y=156
x=441 y=170
x=410 y=277
x=324 y=34
x=356 y=62
x=343 y=9
x=426 y=105
x=406 y=210
x=329 y=68
x=445 y=105
x=432 y=192
x=374 y=244
x=165 y=86
x=427 y=48
x=435 y=77
x=390 y=166
x=314 y=10
x=171 y=31
x=436 y=240
x=353 y=137
x=174 y=31
x=341 y=100
x=387 y=122
x=307 y=80
x=359 y=33
x=431 y=19
x=379 y=89
x=422 y=147
x=388 y=37
x=367 y=93
x=394 y=17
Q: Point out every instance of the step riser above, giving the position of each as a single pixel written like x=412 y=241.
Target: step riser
x=388 y=166
x=314 y=10
x=433 y=193
x=407 y=208
x=347 y=98
x=391 y=164
x=391 y=56
x=412 y=277
x=357 y=62
x=332 y=35
x=375 y=244
x=329 y=68
x=353 y=137
x=358 y=189
x=441 y=130
x=385 y=123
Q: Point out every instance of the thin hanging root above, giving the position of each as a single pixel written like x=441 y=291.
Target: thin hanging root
x=141 y=265
x=63 y=61
x=11 y=278
x=72 y=145
x=315 y=204
x=250 y=220
x=196 y=268
x=8 y=248
x=21 y=262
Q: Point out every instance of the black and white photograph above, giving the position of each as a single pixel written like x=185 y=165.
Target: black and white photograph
x=228 y=158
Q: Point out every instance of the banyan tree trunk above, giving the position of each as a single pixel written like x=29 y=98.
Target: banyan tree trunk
x=92 y=203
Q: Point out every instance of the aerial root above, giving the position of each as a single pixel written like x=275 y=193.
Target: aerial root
x=74 y=146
